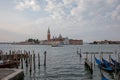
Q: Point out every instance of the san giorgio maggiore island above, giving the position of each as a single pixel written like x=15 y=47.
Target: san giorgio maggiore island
x=53 y=41
x=61 y=40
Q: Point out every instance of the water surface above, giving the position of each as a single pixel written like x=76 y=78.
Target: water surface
x=63 y=63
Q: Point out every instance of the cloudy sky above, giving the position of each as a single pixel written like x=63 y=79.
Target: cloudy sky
x=78 y=19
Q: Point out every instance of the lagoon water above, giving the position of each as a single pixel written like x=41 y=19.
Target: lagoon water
x=63 y=63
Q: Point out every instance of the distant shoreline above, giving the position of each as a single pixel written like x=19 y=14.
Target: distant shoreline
x=49 y=44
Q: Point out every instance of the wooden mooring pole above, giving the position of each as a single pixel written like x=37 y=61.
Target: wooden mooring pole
x=21 y=63
x=94 y=60
x=118 y=57
x=30 y=63
x=34 y=60
x=45 y=58
x=38 y=60
x=80 y=53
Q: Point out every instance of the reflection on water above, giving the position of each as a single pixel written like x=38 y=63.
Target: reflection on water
x=63 y=63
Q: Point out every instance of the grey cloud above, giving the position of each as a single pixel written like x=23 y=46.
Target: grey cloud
x=88 y=20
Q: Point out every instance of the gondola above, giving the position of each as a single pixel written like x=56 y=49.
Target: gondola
x=103 y=77
x=116 y=65
x=115 y=62
x=9 y=64
x=107 y=64
x=103 y=65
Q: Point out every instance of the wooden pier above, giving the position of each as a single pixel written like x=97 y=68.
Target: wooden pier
x=89 y=65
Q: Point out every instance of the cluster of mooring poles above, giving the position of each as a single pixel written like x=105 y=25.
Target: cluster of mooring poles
x=21 y=59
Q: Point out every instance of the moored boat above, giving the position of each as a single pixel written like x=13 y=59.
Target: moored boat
x=116 y=65
x=103 y=66
x=115 y=62
x=103 y=77
x=9 y=64
x=57 y=45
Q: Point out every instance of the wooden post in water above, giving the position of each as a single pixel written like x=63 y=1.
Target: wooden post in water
x=24 y=54
x=45 y=59
x=29 y=57
x=0 y=54
x=10 y=54
x=6 y=57
x=87 y=55
x=30 y=63
x=26 y=58
x=21 y=63
x=115 y=65
x=80 y=53
x=77 y=50
x=2 y=57
x=118 y=57
x=17 y=60
x=101 y=56
x=34 y=60
x=26 y=62
x=109 y=58
x=94 y=60
x=91 y=61
x=21 y=54
x=38 y=60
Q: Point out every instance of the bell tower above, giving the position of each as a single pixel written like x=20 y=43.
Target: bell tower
x=48 y=35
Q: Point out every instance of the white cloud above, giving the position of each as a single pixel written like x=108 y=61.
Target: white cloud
x=55 y=8
x=50 y=6
x=79 y=9
x=116 y=13
x=25 y=4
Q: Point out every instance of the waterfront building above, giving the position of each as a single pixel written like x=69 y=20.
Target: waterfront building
x=75 y=42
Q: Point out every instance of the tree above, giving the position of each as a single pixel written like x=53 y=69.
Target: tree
x=30 y=40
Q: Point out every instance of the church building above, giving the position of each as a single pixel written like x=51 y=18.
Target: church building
x=60 y=40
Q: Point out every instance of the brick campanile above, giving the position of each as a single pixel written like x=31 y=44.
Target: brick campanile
x=48 y=35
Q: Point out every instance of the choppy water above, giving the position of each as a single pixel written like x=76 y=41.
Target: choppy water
x=63 y=63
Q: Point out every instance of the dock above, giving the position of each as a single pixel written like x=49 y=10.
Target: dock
x=89 y=65
x=11 y=74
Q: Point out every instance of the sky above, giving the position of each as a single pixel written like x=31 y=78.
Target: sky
x=88 y=20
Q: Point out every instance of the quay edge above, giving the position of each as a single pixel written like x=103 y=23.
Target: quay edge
x=16 y=74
